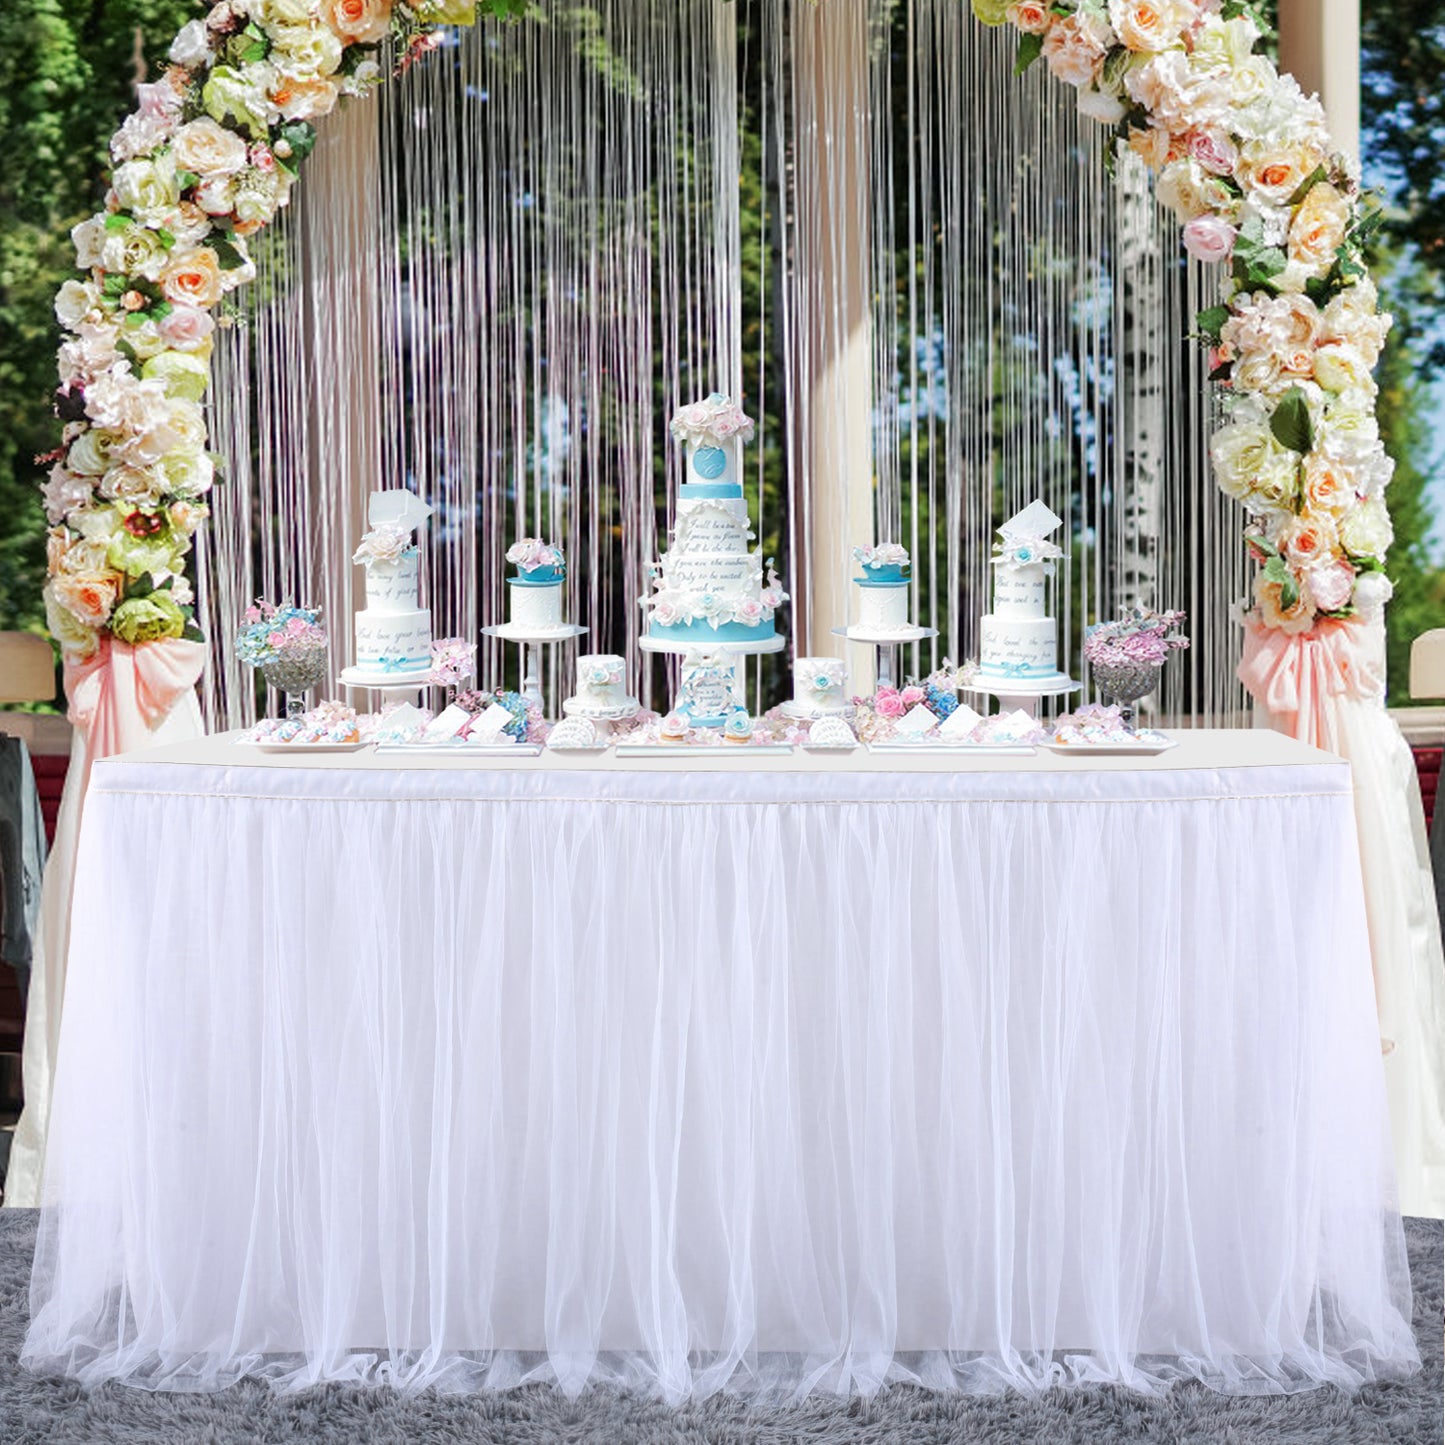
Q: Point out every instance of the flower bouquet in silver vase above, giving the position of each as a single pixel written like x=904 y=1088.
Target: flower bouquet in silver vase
x=287 y=645
x=1127 y=656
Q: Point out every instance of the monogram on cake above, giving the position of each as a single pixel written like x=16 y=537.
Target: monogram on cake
x=393 y=633
x=1019 y=641
x=708 y=587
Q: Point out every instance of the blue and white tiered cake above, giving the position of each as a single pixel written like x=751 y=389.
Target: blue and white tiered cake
x=707 y=586
x=1019 y=641
x=393 y=633
x=883 y=589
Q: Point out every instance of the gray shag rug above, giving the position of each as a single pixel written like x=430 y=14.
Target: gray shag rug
x=58 y=1412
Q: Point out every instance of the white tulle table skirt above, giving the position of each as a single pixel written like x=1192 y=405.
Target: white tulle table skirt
x=797 y=1076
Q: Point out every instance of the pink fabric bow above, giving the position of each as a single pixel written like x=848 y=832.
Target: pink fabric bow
x=1297 y=677
x=121 y=693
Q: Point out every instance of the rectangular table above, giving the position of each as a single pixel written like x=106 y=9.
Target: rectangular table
x=777 y=1071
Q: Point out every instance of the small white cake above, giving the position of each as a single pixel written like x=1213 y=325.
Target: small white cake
x=818 y=684
x=536 y=591
x=883 y=588
x=1018 y=640
x=601 y=689
x=393 y=634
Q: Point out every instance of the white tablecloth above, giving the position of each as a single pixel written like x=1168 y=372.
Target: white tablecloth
x=777 y=1071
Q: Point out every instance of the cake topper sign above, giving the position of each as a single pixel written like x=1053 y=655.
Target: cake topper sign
x=397 y=508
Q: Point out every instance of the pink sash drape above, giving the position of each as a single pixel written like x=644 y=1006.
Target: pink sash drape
x=1298 y=678
x=120 y=694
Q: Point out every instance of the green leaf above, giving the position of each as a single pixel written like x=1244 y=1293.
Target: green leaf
x=117 y=220
x=141 y=586
x=1308 y=184
x=300 y=136
x=1030 y=48
x=186 y=179
x=166 y=238
x=1211 y=321
x=226 y=253
x=191 y=633
x=991 y=12
x=1291 y=422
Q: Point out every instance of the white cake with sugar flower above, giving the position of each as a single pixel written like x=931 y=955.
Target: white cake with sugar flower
x=883 y=588
x=393 y=632
x=601 y=689
x=535 y=592
x=818 y=687
x=708 y=587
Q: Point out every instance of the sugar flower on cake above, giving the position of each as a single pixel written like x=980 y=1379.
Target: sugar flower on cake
x=712 y=422
x=531 y=553
x=387 y=542
x=1024 y=539
x=602 y=671
x=881 y=554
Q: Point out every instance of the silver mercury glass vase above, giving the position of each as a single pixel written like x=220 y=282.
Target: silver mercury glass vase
x=1123 y=684
x=295 y=674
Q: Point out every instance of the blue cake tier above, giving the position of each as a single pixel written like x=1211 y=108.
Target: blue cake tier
x=889 y=576
x=709 y=492
x=702 y=632
x=539 y=577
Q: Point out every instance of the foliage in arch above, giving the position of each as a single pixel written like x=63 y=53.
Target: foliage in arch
x=213 y=148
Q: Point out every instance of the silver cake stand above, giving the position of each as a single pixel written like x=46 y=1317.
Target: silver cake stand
x=886 y=643
x=776 y=643
x=1020 y=693
x=532 y=642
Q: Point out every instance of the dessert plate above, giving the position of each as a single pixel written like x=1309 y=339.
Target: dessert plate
x=277 y=747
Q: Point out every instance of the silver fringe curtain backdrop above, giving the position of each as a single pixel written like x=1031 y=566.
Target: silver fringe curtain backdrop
x=503 y=272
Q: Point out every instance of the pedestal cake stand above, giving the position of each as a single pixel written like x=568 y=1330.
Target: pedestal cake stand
x=734 y=650
x=532 y=643
x=1021 y=693
x=886 y=643
x=393 y=686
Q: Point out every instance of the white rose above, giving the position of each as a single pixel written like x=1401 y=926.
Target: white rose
x=258 y=196
x=133 y=250
x=1101 y=105
x=1372 y=591
x=1225 y=43
x=186 y=472
x=75 y=301
x=240 y=96
x=1341 y=368
x=192 y=46
x=135 y=486
x=89 y=453
x=140 y=133
x=216 y=195
x=1189 y=190
x=89 y=239
x=1365 y=530
x=208 y=148
x=276 y=13
x=1252 y=467
x=147 y=189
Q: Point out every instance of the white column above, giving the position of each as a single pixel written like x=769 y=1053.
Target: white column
x=1319 y=44
x=834 y=194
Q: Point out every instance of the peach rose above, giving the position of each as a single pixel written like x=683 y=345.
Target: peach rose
x=1310 y=540
x=1031 y=16
x=89 y=596
x=1318 y=228
x=1295 y=619
x=358 y=22
x=1328 y=489
x=1276 y=171
x=193 y=278
x=1147 y=24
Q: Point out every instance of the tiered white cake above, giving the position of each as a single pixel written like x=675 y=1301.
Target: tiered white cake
x=883 y=589
x=601 y=688
x=708 y=587
x=535 y=593
x=1019 y=641
x=393 y=634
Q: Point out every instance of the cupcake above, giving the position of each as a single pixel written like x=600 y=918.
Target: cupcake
x=673 y=728
x=738 y=728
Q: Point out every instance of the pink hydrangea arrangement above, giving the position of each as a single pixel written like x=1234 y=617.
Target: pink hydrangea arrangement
x=1139 y=639
x=453 y=661
x=272 y=632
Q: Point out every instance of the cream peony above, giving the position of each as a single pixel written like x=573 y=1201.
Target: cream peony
x=147 y=189
x=89 y=453
x=1365 y=530
x=133 y=250
x=1251 y=466
x=187 y=472
x=64 y=491
x=310 y=51
x=1318 y=228
x=75 y=301
x=1075 y=47
x=1275 y=171
x=1225 y=44
x=1189 y=190
x=1104 y=106
x=133 y=486
x=1332 y=584
x=1276 y=326
x=239 y=96
x=208 y=148
x=276 y=13
x=1340 y=367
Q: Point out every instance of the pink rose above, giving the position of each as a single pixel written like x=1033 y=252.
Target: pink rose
x=888 y=703
x=1214 y=151
x=1075 y=48
x=1209 y=238
x=912 y=696
x=186 y=328
x=1032 y=16
x=1332 y=586
x=750 y=610
x=262 y=159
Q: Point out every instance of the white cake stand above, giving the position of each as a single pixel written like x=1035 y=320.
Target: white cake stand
x=532 y=642
x=885 y=642
x=776 y=643
x=1024 y=693
x=393 y=686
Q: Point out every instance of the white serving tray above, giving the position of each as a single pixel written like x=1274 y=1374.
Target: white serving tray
x=270 y=747
x=458 y=750
x=1144 y=748
x=653 y=750
x=1006 y=750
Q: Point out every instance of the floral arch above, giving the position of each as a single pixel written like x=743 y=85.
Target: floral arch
x=210 y=154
